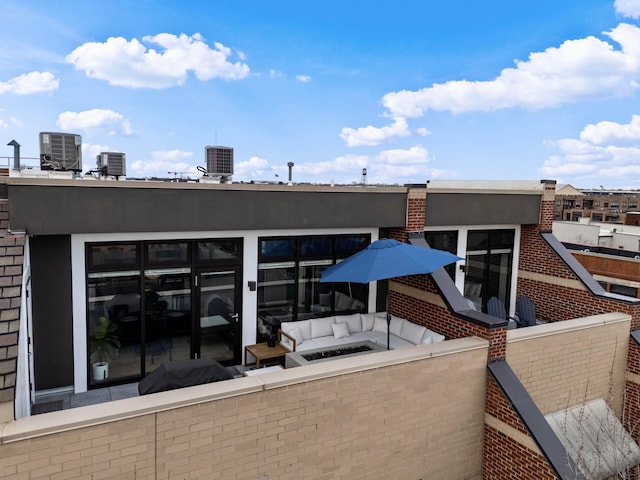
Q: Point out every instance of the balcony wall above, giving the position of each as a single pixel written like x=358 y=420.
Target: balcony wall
x=410 y=413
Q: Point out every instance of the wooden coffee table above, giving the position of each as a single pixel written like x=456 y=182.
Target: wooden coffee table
x=262 y=351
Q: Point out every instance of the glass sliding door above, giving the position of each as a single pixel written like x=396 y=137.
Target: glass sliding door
x=167 y=296
x=314 y=298
x=218 y=330
x=276 y=296
x=166 y=300
x=488 y=266
x=114 y=299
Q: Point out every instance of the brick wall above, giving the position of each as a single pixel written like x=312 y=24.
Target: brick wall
x=396 y=414
x=572 y=362
x=416 y=208
x=11 y=260
x=505 y=454
x=560 y=365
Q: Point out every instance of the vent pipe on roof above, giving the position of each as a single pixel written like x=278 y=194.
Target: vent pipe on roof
x=16 y=154
x=290 y=165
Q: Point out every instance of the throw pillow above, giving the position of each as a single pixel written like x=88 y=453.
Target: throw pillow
x=380 y=325
x=367 y=321
x=295 y=333
x=340 y=330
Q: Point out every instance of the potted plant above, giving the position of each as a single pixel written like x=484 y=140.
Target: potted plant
x=103 y=344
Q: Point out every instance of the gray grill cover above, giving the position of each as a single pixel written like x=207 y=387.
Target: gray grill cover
x=184 y=373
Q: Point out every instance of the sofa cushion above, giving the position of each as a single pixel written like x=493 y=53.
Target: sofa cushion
x=396 y=325
x=303 y=325
x=321 y=327
x=354 y=321
x=340 y=329
x=435 y=337
x=379 y=325
x=367 y=321
x=412 y=332
x=297 y=335
x=427 y=339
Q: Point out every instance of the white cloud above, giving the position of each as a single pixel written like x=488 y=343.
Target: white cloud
x=423 y=132
x=581 y=69
x=373 y=135
x=113 y=123
x=130 y=64
x=15 y=122
x=303 y=78
x=170 y=155
x=91 y=151
x=275 y=74
x=628 y=8
x=165 y=164
x=3 y=124
x=255 y=168
x=612 y=132
x=32 y=82
x=606 y=150
x=415 y=155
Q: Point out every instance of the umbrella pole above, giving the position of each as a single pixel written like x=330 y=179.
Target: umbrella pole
x=388 y=328
x=386 y=308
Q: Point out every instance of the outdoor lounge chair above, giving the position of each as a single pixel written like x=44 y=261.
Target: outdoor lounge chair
x=496 y=308
x=526 y=311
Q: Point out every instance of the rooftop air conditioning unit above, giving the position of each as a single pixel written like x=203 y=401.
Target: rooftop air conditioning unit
x=219 y=161
x=60 y=151
x=112 y=164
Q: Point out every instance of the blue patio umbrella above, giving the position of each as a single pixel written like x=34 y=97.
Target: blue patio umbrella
x=384 y=259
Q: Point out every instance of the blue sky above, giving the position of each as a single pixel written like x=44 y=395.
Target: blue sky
x=411 y=90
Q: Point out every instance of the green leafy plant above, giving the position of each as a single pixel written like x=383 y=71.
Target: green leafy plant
x=104 y=343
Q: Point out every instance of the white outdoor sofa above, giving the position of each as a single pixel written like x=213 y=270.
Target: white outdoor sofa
x=357 y=327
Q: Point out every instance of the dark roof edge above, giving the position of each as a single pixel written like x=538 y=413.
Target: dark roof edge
x=534 y=421
x=455 y=301
x=583 y=275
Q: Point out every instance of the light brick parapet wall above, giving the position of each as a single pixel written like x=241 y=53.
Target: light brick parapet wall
x=571 y=362
x=561 y=365
x=11 y=262
x=409 y=413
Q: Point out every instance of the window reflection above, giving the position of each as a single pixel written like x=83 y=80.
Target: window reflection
x=114 y=297
x=167 y=295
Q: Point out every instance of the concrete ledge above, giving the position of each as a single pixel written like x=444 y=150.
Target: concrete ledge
x=64 y=420
x=387 y=358
x=54 y=422
x=555 y=328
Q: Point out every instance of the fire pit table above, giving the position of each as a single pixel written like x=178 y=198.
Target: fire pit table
x=310 y=357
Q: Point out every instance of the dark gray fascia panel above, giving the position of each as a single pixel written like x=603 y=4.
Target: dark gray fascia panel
x=445 y=209
x=76 y=209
